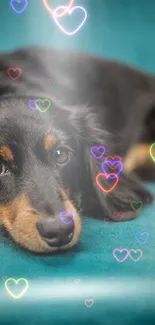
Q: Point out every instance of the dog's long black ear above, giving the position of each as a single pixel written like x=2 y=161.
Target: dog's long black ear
x=121 y=198
x=129 y=187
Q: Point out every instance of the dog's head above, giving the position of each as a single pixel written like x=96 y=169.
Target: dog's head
x=47 y=174
x=39 y=175
x=44 y=176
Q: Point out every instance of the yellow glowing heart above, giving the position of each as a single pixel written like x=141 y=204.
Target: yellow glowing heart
x=16 y=282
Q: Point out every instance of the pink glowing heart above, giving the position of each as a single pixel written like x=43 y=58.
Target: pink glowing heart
x=122 y=251
x=14 y=73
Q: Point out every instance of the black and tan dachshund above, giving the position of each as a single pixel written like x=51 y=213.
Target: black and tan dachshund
x=55 y=106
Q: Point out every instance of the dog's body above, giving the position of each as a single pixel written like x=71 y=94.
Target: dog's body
x=94 y=102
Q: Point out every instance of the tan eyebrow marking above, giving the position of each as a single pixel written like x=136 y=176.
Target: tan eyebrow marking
x=49 y=142
x=6 y=153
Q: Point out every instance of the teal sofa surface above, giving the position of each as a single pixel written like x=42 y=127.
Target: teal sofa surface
x=86 y=285
x=89 y=285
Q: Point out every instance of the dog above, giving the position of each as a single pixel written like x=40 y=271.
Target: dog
x=47 y=168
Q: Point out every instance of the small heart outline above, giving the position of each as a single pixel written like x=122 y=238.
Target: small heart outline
x=121 y=214
x=14 y=69
x=16 y=282
x=108 y=162
x=107 y=220
x=42 y=101
x=70 y=4
x=87 y=301
x=120 y=250
x=97 y=148
x=152 y=156
x=136 y=201
x=135 y=250
x=32 y=101
x=67 y=213
x=69 y=12
x=18 y=11
x=142 y=233
x=107 y=177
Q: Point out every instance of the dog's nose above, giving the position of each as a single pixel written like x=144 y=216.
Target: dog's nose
x=55 y=233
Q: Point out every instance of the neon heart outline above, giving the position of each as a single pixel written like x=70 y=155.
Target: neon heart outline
x=18 y=1
x=16 y=282
x=135 y=250
x=67 y=213
x=119 y=213
x=10 y=69
x=33 y=101
x=18 y=11
x=107 y=220
x=14 y=143
x=42 y=101
x=106 y=176
x=52 y=11
x=142 y=233
x=113 y=157
x=97 y=148
x=120 y=251
x=153 y=158
x=69 y=12
x=106 y=161
x=135 y=202
x=87 y=300
x=11 y=143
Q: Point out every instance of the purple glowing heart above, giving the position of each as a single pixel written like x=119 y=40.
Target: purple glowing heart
x=12 y=144
x=66 y=214
x=101 y=150
x=112 y=163
x=33 y=104
x=23 y=2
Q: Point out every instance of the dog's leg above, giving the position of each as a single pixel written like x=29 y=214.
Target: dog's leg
x=138 y=156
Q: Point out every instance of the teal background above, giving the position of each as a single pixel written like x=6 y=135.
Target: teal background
x=123 y=293
x=118 y=29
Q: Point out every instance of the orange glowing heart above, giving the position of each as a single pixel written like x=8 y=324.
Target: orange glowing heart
x=70 y=3
x=101 y=175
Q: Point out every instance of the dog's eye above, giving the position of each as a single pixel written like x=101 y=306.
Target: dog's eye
x=62 y=155
x=3 y=169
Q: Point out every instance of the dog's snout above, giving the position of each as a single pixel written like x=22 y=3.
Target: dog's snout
x=55 y=232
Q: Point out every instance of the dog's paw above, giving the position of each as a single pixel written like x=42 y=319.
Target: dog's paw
x=129 y=215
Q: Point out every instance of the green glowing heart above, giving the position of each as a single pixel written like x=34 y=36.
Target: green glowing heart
x=45 y=103
x=152 y=151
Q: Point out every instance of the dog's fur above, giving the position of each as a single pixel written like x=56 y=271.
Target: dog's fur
x=94 y=102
